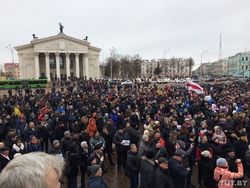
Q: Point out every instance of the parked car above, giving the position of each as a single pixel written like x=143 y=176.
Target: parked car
x=127 y=82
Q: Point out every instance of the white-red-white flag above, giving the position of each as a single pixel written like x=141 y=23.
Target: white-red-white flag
x=191 y=86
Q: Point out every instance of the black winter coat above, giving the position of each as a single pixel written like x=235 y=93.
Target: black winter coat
x=118 y=138
x=207 y=169
x=178 y=173
x=133 y=164
x=163 y=179
x=3 y=162
x=147 y=173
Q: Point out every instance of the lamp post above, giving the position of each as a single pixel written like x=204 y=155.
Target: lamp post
x=11 y=50
x=111 y=62
x=165 y=51
x=201 y=60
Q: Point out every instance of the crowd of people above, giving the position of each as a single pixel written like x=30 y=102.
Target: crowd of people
x=157 y=134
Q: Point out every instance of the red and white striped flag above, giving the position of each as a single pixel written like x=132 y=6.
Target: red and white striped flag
x=191 y=86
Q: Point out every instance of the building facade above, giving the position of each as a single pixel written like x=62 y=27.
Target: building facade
x=11 y=70
x=58 y=57
x=239 y=64
x=170 y=68
x=216 y=68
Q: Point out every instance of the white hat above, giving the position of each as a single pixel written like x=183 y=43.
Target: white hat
x=157 y=122
x=206 y=153
x=83 y=143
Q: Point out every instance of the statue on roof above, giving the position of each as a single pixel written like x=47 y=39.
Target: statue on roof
x=61 y=27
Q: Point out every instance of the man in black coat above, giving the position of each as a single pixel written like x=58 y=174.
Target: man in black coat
x=207 y=167
x=147 y=169
x=66 y=142
x=230 y=157
x=84 y=154
x=133 y=166
x=121 y=140
x=43 y=135
x=162 y=177
x=108 y=144
x=177 y=171
x=4 y=157
x=241 y=147
x=72 y=163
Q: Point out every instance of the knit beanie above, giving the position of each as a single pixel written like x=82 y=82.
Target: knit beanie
x=221 y=162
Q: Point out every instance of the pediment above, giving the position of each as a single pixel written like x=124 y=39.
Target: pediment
x=60 y=44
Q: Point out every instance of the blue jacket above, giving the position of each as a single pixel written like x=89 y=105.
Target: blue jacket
x=96 y=182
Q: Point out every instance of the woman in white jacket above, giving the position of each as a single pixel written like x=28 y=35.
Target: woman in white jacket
x=18 y=147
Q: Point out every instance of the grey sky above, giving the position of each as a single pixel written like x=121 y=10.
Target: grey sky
x=144 y=27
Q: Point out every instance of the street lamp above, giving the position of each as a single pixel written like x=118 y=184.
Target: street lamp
x=202 y=54
x=11 y=50
x=201 y=60
x=112 y=50
x=165 y=51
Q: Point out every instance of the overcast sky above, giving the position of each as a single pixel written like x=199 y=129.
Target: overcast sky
x=181 y=28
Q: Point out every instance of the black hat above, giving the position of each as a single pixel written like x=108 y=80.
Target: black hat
x=227 y=150
x=162 y=160
x=149 y=154
x=90 y=159
x=93 y=169
x=98 y=145
x=4 y=149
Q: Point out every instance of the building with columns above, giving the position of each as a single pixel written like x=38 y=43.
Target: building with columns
x=58 y=57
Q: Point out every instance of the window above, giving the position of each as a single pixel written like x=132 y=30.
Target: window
x=52 y=63
x=246 y=67
x=242 y=58
x=242 y=67
x=71 y=63
x=61 y=62
x=246 y=58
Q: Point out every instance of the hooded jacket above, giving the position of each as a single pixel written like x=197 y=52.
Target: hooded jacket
x=225 y=178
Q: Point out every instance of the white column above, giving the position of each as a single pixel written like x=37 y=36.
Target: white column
x=47 y=66
x=58 y=66
x=77 y=65
x=86 y=62
x=37 y=70
x=67 y=66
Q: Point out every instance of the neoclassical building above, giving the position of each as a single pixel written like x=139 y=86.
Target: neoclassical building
x=58 y=57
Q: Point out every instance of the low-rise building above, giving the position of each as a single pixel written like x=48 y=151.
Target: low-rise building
x=11 y=70
x=171 y=68
x=239 y=64
x=216 y=68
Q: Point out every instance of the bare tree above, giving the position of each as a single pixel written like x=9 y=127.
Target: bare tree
x=190 y=65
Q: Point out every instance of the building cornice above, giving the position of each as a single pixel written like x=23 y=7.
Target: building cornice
x=58 y=36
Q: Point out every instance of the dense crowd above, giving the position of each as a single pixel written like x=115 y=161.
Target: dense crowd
x=158 y=134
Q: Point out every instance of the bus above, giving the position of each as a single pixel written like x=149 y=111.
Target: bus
x=23 y=84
